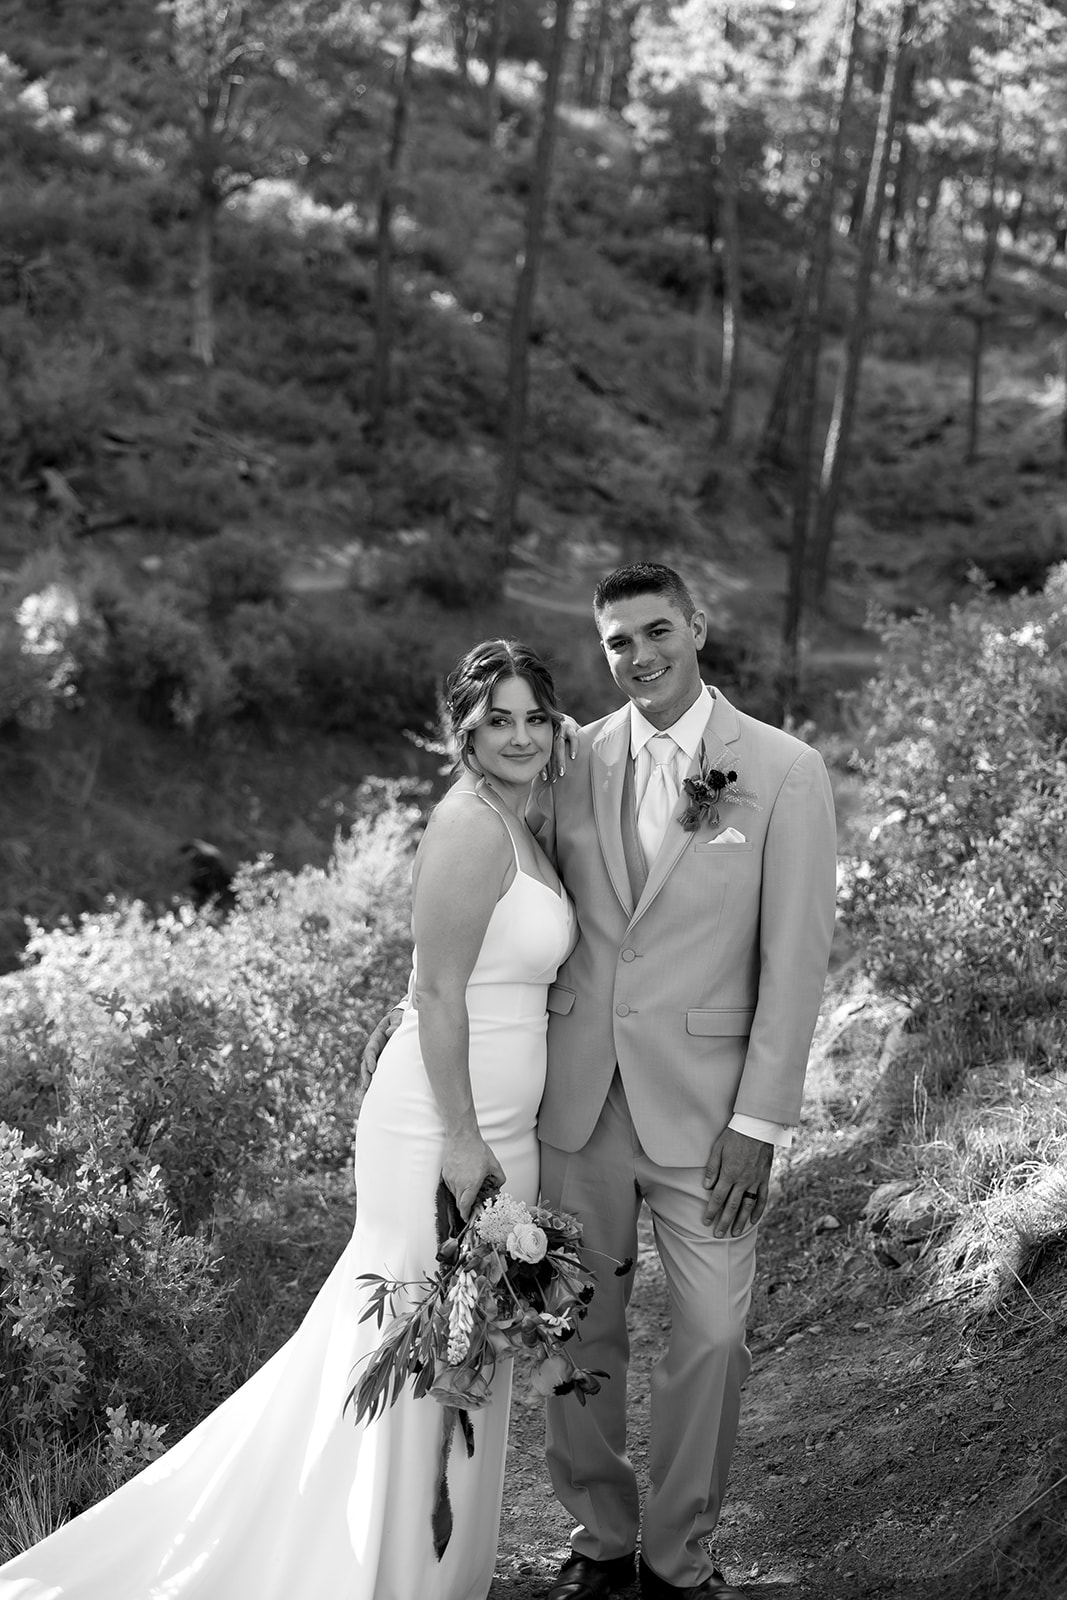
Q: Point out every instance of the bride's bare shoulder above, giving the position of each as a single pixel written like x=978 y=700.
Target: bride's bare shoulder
x=462 y=820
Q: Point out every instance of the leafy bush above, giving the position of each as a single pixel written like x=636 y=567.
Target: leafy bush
x=172 y=1097
x=955 y=887
x=261 y=659
x=57 y=397
x=102 y=1300
x=126 y=1125
x=457 y=568
x=369 y=674
x=282 y=411
x=168 y=662
x=50 y=636
x=235 y=568
x=670 y=259
x=51 y=1480
x=162 y=493
x=273 y=1000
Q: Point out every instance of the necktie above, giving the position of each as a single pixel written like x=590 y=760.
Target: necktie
x=660 y=796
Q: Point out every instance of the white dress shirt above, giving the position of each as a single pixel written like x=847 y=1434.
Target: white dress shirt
x=687 y=734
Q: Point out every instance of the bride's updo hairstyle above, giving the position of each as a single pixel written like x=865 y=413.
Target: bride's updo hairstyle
x=470 y=686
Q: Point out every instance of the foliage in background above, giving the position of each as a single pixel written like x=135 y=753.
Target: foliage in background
x=155 y=1075
x=217 y=643
x=957 y=882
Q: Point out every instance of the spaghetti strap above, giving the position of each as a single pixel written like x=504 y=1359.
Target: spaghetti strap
x=477 y=795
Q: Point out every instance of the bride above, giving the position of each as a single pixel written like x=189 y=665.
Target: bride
x=278 y=1494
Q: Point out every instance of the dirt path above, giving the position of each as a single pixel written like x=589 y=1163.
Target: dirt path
x=878 y=1452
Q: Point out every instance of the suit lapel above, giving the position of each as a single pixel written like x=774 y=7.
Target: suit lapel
x=607 y=771
x=723 y=728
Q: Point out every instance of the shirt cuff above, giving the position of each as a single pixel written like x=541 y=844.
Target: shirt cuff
x=775 y=1133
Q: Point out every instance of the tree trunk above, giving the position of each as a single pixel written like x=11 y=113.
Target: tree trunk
x=592 y=89
x=927 y=206
x=809 y=348
x=982 y=309
x=838 y=438
x=771 y=451
x=461 y=37
x=383 y=290
x=902 y=164
x=497 y=19
x=901 y=176
x=811 y=294
x=203 y=339
x=525 y=292
x=622 y=57
x=732 y=325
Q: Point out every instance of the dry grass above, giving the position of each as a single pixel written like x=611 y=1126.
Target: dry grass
x=41 y=1489
x=988 y=1138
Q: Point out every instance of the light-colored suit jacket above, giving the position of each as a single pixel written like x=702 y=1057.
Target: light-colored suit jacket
x=705 y=987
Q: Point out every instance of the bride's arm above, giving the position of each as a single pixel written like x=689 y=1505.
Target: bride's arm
x=461 y=863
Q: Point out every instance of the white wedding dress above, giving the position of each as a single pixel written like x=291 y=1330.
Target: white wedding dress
x=278 y=1495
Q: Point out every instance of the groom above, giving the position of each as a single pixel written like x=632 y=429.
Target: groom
x=679 y=1032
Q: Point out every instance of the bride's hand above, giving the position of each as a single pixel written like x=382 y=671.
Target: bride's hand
x=566 y=741
x=468 y=1167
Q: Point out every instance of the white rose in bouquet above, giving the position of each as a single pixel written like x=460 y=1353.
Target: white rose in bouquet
x=527 y=1242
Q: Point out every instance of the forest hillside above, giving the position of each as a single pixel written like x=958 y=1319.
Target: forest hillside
x=334 y=337
x=229 y=586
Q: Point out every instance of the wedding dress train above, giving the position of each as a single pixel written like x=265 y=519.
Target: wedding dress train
x=278 y=1495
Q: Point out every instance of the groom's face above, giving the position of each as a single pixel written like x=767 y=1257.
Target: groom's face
x=652 y=651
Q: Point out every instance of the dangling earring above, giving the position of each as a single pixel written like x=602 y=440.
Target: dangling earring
x=467 y=757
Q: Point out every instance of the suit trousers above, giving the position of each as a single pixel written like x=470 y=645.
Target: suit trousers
x=696 y=1382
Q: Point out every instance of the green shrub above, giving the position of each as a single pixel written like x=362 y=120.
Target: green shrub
x=237 y=567
x=353 y=677
x=448 y=374
x=282 y=411
x=955 y=887
x=168 y=663
x=456 y=568
x=50 y=637
x=261 y=661
x=293 y=978
x=59 y=396
x=116 y=228
x=102 y=1300
x=124 y=1126
x=161 y=493
x=177 y=1094
x=669 y=259
x=50 y=1479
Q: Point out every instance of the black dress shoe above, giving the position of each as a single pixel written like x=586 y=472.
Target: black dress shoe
x=582 y=1578
x=714 y=1587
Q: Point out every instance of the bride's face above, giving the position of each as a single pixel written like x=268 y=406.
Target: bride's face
x=514 y=740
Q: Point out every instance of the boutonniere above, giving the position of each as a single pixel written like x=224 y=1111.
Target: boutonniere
x=706 y=789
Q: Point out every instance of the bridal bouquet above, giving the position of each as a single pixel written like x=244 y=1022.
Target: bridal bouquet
x=509 y=1280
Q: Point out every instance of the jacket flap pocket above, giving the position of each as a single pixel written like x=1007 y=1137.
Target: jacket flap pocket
x=560 y=1000
x=729 y=1024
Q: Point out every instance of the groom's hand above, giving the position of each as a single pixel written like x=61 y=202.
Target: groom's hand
x=737 y=1178
x=384 y=1028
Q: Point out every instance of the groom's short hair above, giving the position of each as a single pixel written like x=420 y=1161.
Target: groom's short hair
x=643 y=577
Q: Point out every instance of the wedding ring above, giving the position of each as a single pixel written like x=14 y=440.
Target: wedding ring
x=751 y=1194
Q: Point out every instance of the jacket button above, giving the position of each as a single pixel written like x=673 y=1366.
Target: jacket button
x=622 y=1011
x=628 y=955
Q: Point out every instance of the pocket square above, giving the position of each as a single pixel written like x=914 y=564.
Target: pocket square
x=728 y=836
